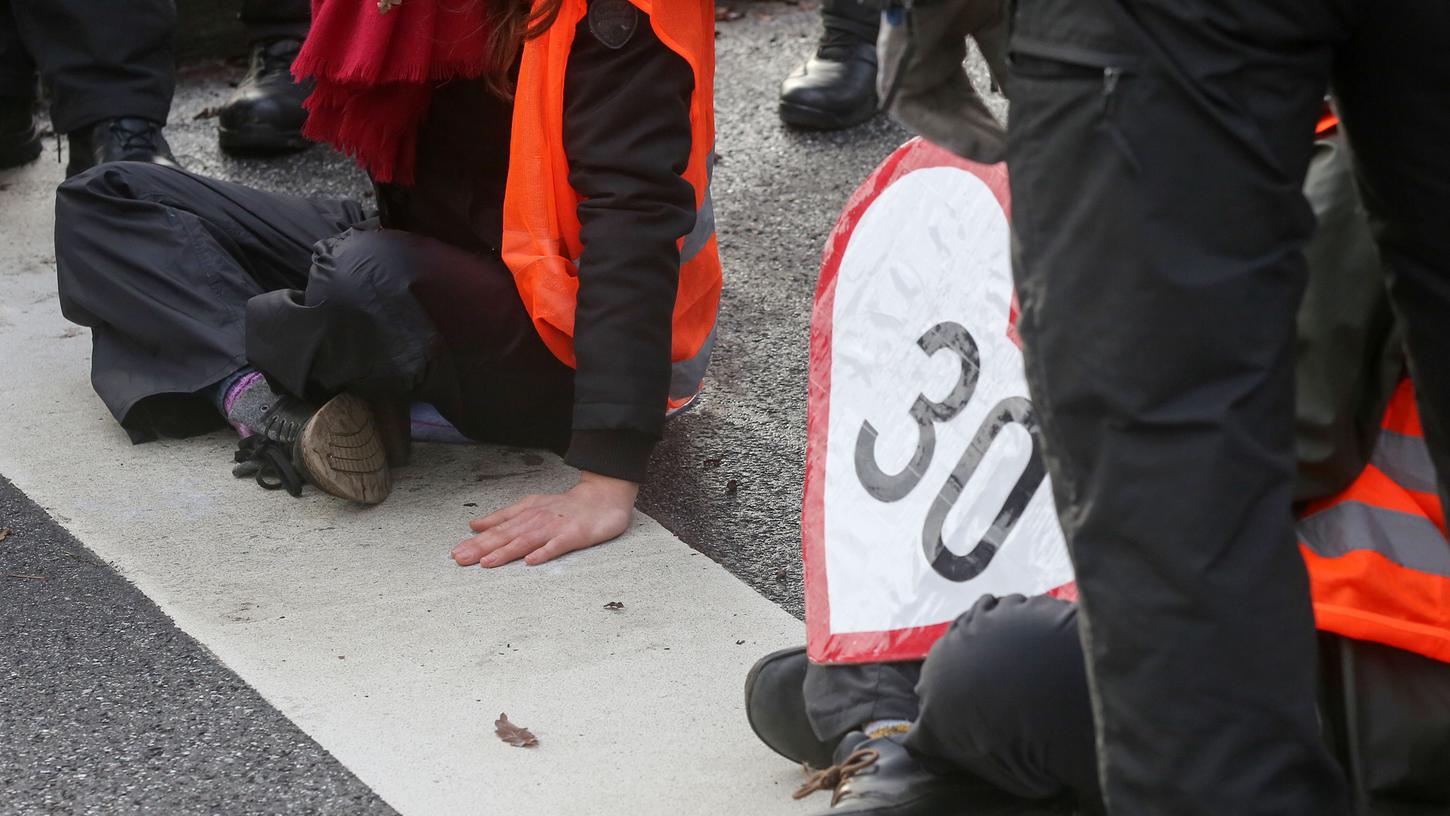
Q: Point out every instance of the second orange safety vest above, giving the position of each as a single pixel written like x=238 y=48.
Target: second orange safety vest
x=541 y=221
x=1377 y=552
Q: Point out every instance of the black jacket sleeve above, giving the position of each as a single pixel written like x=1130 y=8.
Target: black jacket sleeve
x=627 y=135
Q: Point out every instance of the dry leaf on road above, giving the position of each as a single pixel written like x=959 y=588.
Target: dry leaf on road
x=513 y=734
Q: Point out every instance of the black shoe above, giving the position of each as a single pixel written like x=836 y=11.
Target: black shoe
x=339 y=448
x=265 y=115
x=19 y=132
x=128 y=138
x=834 y=89
x=775 y=705
x=880 y=777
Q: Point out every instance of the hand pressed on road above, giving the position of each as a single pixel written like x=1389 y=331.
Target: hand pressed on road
x=539 y=528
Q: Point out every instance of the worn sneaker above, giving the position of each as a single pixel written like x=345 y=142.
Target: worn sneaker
x=338 y=448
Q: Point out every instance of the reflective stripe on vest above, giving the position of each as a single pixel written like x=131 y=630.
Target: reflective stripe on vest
x=541 y=223
x=1377 y=553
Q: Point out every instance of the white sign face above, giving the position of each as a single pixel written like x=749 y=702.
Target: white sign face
x=934 y=492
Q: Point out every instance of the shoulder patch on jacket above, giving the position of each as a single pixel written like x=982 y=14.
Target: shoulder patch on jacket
x=613 y=22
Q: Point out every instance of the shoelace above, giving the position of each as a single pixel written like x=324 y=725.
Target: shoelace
x=270 y=462
x=144 y=138
x=834 y=777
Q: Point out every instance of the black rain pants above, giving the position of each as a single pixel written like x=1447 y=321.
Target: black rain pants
x=184 y=279
x=1157 y=151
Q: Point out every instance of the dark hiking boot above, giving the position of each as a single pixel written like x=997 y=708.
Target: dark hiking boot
x=128 y=138
x=338 y=448
x=775 y=705
x=265 y=115
x=19 y=132
x=834 y=89
x=880 y=777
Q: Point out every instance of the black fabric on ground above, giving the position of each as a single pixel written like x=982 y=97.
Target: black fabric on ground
x=1157 y=154
x=100 y=62
x=183 y=279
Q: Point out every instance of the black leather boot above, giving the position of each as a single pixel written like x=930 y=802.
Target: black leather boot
x=265 y=115
x=836 y=88
x=19 y=133
x=128 y=138
x=880 y=777
x=775 y=705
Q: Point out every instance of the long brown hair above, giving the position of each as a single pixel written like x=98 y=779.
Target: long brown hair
x=511 y=23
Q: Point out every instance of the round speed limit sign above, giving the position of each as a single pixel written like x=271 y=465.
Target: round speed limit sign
x=925 y=485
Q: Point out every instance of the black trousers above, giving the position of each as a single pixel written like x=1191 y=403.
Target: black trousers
x=853 y=16
x=1157 y=151
x=273 y=19
x=1002 y=696
x=184 y=279
x=101 y=59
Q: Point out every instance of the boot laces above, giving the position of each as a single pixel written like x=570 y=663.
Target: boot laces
x=835 y=777
x=135 y=134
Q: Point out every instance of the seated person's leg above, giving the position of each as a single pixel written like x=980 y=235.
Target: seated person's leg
x=1004 y=696
x=802 y=711
x=160 y=264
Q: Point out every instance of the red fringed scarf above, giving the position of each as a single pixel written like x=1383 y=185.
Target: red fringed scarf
x=375 y=64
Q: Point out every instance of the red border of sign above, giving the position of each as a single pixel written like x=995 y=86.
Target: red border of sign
x=863 y=647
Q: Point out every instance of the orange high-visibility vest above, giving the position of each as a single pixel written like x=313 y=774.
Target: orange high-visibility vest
x=541 y=219
x=1377 y=552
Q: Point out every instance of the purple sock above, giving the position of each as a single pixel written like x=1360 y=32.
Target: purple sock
x=245 y=399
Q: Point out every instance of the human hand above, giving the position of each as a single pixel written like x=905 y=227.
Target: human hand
x=539 y=528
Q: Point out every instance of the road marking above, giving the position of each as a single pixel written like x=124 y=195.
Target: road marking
x=355 y=625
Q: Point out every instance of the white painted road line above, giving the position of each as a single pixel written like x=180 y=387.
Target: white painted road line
x=355 y=625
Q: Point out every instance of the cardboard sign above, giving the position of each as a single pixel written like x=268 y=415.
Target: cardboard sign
x=925 y=486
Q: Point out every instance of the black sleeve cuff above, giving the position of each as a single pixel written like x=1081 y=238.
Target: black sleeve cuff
x=619 y=454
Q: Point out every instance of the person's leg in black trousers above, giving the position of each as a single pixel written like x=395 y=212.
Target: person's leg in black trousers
x=265 y=113
x=1157 y=156
x=111 y=69
x=836 y=87
x=19 y=131
x=1392 y=83
x=185 y=280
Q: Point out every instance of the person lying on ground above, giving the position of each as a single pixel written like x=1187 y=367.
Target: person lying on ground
x=542 y=267
x=998 y=719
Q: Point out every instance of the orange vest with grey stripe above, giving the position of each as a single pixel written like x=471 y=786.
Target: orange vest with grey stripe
x=1377 y=552
x=541 y=221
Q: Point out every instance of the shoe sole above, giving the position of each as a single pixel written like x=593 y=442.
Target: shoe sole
x=342 y=452
x=819 y=756
x=261 y=139
x=808 y=118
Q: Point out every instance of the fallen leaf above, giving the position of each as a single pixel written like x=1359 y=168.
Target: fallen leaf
x=512 y=734
x=615 y=605
x=732 y=486
x=4 y=533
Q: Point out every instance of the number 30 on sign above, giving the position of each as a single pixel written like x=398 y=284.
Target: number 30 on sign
x=925 y=486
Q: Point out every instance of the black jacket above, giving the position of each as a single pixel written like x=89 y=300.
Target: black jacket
x=628 y=137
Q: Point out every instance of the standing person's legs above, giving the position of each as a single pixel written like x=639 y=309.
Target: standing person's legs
x=265 y=113
x=102 y=60
x=836 y=87
x=1392 y=83
x=111 y=69
x=1157 y=158
x=19 y=136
